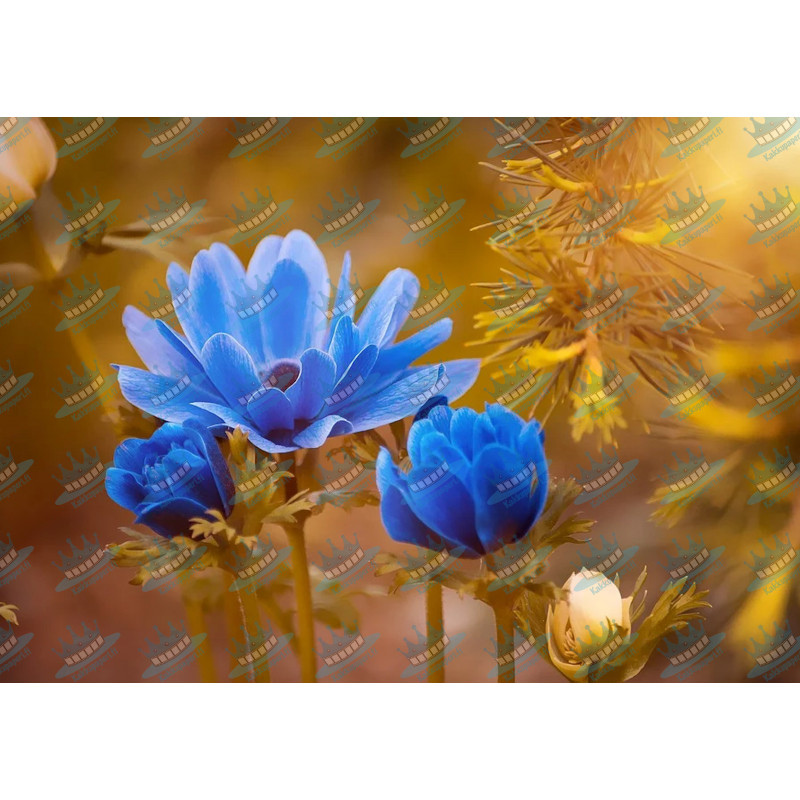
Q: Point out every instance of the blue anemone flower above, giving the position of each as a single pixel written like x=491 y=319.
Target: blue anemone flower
x=263 y=351
x=477 y=481
x=176 y=474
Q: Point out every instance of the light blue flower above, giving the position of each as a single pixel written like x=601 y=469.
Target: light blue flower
x=476 y=481
x=262 y=351
x=176 y=474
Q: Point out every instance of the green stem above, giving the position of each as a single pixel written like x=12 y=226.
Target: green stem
x=434 y=616
x=504 y=631
x=195 y=619
x=305 y=609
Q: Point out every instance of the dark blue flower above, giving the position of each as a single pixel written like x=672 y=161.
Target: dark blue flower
x=477 y=481
x=176 y=474
x=262 y=351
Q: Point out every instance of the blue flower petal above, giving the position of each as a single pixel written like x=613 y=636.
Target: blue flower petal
x=313 y=386
x=399 y=520
x=398 y=356
x=124 y=488
x=348 y=386
x=219 y=466
x=462 y=427
x=171 y=518
x=271 y=412
x=507 y=425
x=230 y=369
x=165 y=397
x=389 y=307
x=345 y=345
x=288 y=322
x=317 y=432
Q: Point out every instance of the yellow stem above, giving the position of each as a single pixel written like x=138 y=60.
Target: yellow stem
x=196 y=620
x=434 y=616
x=302 y=591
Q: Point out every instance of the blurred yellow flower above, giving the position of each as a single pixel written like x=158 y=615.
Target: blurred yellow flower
x=27 y=159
